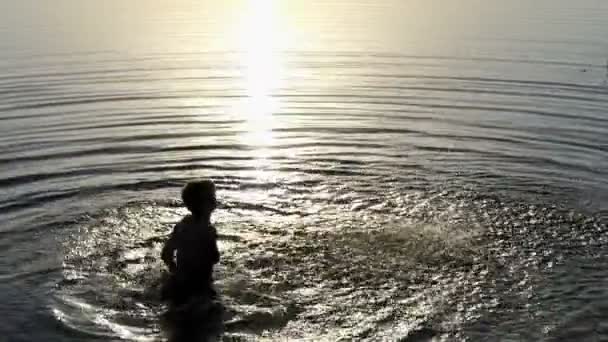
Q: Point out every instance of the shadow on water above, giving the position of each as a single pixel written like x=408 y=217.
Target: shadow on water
x=201 y=319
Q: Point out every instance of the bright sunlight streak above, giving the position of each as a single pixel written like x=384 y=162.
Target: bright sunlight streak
x=262 y=40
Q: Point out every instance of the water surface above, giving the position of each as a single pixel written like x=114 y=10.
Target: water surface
x=387 y=169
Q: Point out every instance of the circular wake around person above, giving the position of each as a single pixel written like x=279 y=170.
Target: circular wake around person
x=190 y=254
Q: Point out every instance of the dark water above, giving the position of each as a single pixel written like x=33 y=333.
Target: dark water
x=388 y=170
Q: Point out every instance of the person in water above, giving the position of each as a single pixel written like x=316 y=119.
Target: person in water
x=191 y=251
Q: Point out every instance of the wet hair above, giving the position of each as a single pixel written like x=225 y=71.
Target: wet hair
x=199 y=194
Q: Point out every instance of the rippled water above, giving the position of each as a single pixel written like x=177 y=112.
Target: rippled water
x=388 y=170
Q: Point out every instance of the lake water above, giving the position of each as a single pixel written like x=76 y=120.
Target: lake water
x=388 y=170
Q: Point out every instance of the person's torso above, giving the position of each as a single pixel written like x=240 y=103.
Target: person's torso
x=195 y=244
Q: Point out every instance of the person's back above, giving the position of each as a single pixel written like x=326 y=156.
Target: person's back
x=196 y=249
x=191 y=250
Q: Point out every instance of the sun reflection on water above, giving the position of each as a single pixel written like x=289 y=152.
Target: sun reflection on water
x=262 y=41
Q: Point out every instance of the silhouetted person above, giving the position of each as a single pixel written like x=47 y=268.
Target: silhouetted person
x=191 y=250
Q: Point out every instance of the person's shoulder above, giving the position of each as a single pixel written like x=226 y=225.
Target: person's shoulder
x=184 y=223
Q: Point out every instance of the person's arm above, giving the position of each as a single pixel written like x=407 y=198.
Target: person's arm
x=215 y=253
x=168 y=253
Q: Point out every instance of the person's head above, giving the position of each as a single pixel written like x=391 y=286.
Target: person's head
x=199 y=197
